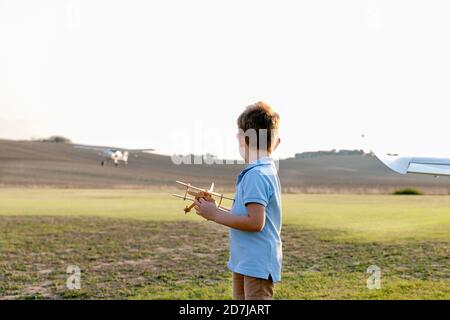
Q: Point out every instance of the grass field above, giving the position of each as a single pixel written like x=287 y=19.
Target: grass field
x=137 y=244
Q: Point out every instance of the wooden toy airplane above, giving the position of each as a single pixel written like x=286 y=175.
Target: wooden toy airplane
x=199 y=193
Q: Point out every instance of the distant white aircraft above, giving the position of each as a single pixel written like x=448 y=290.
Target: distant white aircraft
x=115 y=155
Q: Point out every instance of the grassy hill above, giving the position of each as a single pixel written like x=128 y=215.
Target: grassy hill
x=31 y=163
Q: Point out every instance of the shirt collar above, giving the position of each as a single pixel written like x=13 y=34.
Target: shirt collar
x=260 y=162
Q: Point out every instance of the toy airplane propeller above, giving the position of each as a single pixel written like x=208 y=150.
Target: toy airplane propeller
x=199 y=193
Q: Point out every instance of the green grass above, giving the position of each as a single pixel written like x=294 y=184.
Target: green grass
x=138 y=244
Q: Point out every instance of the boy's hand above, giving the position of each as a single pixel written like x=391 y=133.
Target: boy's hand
x=206 y=209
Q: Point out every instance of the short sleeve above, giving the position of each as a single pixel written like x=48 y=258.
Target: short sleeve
x=255 y=188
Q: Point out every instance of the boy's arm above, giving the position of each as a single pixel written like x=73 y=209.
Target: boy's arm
x=253 y=221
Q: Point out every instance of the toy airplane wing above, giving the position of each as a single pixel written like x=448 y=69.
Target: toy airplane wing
x=420 y=165
x=201 y=193
x=210 y=191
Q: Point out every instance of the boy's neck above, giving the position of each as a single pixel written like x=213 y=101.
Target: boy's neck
x=254 y=155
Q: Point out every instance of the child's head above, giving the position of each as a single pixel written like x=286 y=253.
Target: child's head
x=258 y=131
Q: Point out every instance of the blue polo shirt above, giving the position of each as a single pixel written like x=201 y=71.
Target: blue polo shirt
x=258 y=254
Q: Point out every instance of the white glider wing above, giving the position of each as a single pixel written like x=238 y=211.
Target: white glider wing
x=140 y=150
x=94 y=148
x=420 y=165
x=91 y=148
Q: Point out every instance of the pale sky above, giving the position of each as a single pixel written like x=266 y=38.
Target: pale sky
x=174 y=74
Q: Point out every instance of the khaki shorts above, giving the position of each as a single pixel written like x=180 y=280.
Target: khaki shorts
x=249 y=288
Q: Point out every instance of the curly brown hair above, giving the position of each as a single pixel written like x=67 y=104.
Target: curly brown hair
x=261 y=118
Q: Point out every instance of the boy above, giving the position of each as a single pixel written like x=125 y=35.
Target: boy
x=255 y=219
